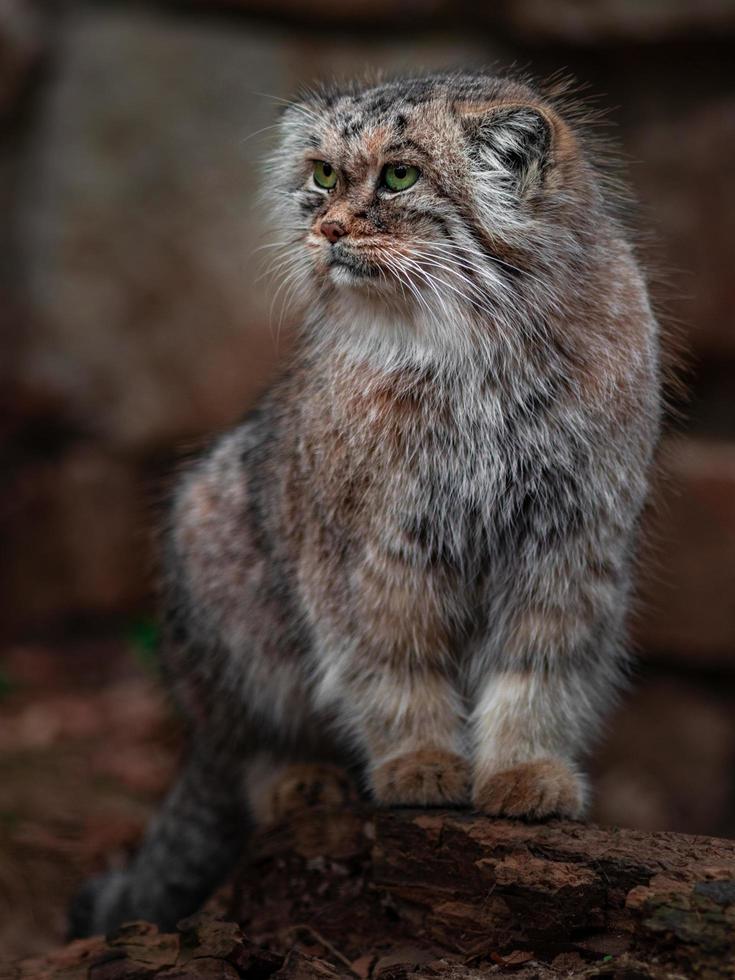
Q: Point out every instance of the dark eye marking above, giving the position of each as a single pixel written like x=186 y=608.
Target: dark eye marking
x=310 y=204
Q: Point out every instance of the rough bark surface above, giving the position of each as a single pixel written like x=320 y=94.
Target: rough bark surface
x=401 y=894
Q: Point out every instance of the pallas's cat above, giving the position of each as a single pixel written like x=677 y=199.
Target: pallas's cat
x=414 y=556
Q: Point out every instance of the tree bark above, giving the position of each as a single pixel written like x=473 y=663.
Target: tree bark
x=400 y=894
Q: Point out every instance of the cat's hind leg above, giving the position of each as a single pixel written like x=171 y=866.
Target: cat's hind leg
x=275 y=789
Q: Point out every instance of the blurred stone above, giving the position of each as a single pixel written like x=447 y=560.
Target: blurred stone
x=710 y=408
x=356 y=12
x=22 y=40
x=567 y=21
x=667 y=760
x=687 y=189
x=137 y=226
x=599 y=21
x=76 y=534
x=687 y=594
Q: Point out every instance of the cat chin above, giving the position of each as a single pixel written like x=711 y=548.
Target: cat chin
x=342 y=276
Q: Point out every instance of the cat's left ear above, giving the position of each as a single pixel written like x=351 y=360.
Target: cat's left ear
x=513 y=141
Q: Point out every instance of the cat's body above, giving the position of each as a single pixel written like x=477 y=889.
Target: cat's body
x=414 y=556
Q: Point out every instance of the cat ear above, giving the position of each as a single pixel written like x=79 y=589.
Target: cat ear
x=514 y=141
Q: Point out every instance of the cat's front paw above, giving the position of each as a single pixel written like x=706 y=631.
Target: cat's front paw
x=537 y=789
x=427 y=777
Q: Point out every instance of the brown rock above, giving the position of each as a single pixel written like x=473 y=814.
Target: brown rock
x=687 y=596
x=426 y=907
x=460 y=886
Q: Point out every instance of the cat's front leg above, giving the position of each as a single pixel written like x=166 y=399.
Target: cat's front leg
x=544 y=688
x=413 y=741
x=524 y=766
x=387 y=671
x=406 y=720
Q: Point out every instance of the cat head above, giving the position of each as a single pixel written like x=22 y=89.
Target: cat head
x=444 y=198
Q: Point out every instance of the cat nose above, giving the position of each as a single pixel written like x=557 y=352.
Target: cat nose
x=332 y=230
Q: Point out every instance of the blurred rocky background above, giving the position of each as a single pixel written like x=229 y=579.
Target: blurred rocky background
x=133 y=325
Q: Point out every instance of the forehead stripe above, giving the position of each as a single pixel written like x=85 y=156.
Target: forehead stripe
x=406 y=145
x=352 y=127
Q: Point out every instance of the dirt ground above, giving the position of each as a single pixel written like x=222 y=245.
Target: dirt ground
x=87 y=745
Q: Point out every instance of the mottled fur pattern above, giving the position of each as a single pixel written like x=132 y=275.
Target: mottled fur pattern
x=414 y=557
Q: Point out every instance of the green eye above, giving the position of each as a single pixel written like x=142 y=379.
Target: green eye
x=399 y=176
x=324 y=175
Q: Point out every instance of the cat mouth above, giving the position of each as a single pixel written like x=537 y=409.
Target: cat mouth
x=346 y=266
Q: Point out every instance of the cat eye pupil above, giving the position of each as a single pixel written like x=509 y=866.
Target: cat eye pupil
x=399 y=176
x=325 y=176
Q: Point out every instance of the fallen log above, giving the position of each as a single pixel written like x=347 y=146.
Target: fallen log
x=399 y=894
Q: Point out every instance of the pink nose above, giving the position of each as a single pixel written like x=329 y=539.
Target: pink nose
x=332 y=230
